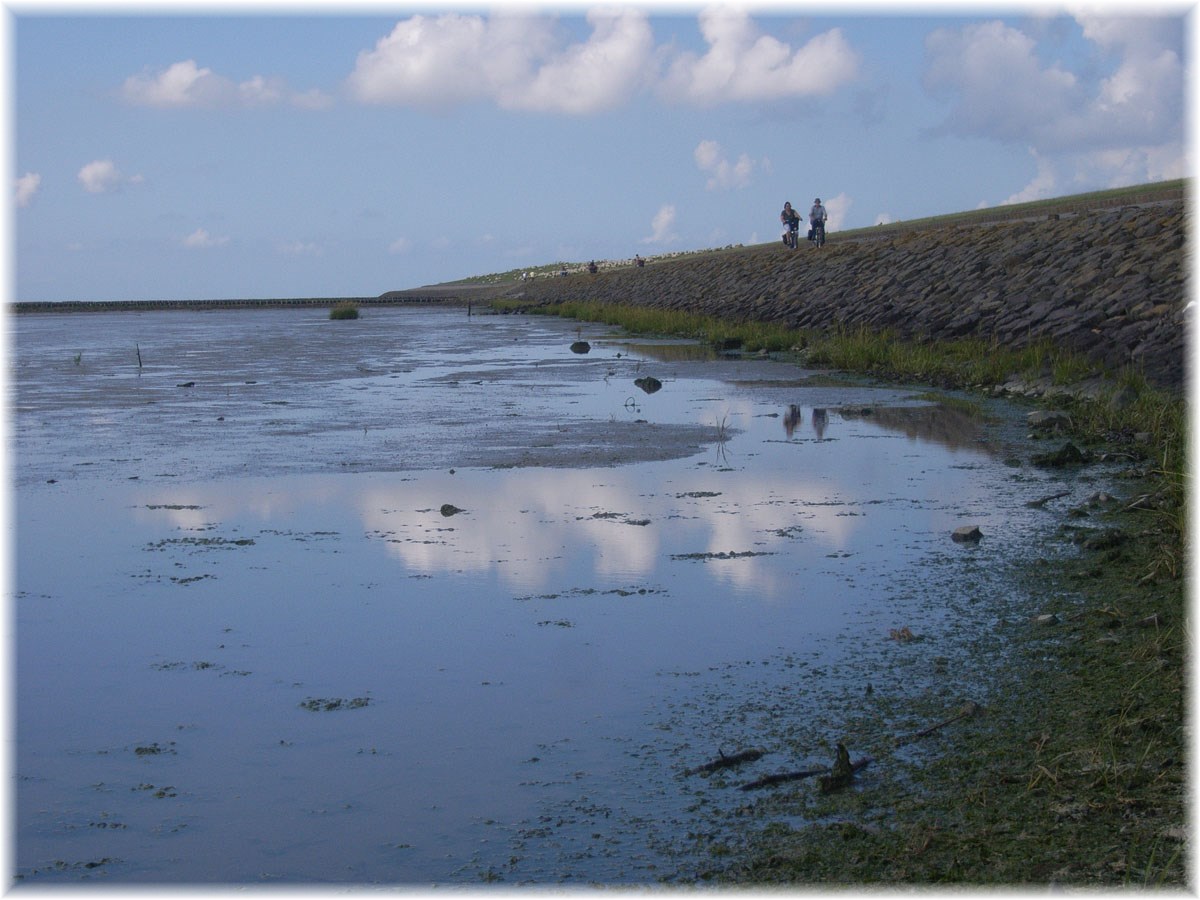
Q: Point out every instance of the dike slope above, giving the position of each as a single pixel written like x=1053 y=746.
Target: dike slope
x=1109 y=283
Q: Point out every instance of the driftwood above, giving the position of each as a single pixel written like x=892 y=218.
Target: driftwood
x=1036 y=504
x=839 y=776
x=768 y=780
x=969 y=708
x=725 y=762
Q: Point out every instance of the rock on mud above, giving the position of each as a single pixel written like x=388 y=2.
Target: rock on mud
x=967 y=534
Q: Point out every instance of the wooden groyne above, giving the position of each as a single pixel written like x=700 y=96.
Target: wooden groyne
x=72 y=306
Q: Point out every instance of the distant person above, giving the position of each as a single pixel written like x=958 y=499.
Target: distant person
x=592 y=267
x=640 y=262
x=791 y=224
x=816 y=220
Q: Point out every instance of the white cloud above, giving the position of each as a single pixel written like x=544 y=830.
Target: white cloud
x=201 y=239
x=102 y=176
x=400 y=246
x=26 y=186
x=596 y=75
x=180 y=84
x=999 y=88
x=711 y=158
x=515 y=61
x=661 y=226
x=742 y=64
x=186 y=85
x=837 y=209
x=1117 y=120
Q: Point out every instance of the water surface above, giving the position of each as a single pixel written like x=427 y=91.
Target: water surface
x=421 y=599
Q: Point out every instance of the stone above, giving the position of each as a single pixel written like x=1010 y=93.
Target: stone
x=1048 y=419
x=1066 y=455
x=966 y=534
x=649 y=384
x=581 y=347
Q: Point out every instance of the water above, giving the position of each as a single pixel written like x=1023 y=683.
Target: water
x=252 y=646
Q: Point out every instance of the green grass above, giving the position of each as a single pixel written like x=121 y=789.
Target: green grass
x=344 y=310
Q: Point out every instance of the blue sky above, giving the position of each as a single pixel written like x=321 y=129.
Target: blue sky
x=307 y=152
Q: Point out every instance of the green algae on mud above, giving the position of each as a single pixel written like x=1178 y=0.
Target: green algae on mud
x=1073 y=774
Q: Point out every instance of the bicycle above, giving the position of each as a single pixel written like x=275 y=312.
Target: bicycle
x=818 y=234
x=789 y=236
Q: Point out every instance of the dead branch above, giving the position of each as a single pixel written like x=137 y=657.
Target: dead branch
x=969 y=708
x=781 y=777
x=725 y=762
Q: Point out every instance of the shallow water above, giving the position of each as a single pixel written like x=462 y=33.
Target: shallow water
x=252 y=647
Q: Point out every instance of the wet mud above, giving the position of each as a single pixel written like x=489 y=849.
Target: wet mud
x=447 y=602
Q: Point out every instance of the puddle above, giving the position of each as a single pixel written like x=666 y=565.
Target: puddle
x=380 y=607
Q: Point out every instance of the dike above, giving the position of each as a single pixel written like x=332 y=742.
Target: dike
x=1108 y=283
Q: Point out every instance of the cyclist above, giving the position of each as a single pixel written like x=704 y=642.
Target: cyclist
x=816 y=219
x=791 y=224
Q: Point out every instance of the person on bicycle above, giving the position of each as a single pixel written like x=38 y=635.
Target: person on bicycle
x=791 y=224
x=816 y=219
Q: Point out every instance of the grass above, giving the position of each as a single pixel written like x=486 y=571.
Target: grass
x=344 y=310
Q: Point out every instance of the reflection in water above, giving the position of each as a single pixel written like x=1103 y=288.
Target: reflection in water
x=948 y=426
x=794 y=418
x=682 y=351
x=820 y=418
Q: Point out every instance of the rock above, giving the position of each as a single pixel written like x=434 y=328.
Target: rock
x=581 y=347
x=1047 y=419
x=449 y=509
x=1046 y=619
x=649 y=384
x=966 y=534
x=1078 y=281
x=1066 y=455
x=1104 y=540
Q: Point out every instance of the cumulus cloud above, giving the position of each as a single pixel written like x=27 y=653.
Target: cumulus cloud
x=400 y=246
x=26 y=186
x=723 y=174
x=200 y=239
x=596 y=75
x=1118 y=118
x=518 y=62
x=102 y=176
x=186 y=85
x=743 y=64
x=662 y=226
x=837 y=209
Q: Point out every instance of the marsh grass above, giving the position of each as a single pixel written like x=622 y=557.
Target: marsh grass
x=344 y=310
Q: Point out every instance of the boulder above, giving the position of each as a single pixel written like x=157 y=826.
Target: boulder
x=966 y=534
x=1048 y=419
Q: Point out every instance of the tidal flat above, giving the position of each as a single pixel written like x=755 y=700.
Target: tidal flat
x=426 y=599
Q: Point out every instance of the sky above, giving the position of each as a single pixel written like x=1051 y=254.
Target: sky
x=345 y=151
